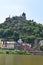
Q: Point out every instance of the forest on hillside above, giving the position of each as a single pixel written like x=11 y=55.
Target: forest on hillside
x=14 y=28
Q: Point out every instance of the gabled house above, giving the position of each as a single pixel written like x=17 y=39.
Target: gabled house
x=10 y=44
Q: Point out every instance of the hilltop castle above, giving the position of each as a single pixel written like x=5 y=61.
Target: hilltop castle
x=22 y=17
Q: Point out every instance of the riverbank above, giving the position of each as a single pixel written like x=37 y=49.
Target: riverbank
x=21 y=52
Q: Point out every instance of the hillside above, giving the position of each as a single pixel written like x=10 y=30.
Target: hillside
x=18 y=27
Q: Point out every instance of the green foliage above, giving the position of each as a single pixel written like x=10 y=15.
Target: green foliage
x=8 y=32
x=1 y=32
x=41 y=48
x=16 y=35
x=23 y=52
x=28 y=30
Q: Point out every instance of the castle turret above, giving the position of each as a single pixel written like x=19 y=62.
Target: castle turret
x=24 y=16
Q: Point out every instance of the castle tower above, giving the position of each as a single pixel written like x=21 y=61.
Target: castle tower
x=24 y=15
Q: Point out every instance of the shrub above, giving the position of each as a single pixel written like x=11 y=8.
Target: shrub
x=41 y=48
x=7 y=52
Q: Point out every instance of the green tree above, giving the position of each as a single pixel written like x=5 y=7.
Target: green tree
x=16 y=35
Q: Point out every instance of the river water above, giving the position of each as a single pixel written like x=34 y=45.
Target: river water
x=10 y=59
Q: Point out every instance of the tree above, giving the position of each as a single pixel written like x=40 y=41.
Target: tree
x=16 y=35
x=8 y=32
x=1 y=32
x=41 y=48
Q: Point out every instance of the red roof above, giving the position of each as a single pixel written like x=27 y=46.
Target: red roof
x=27 y=48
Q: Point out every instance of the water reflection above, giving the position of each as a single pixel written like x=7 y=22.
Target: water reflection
x=10 y=59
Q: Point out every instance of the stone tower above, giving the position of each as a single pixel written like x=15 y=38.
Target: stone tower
x=24 y=15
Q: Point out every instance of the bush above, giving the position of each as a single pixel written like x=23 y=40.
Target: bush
x=21 y=52
x=24 y=52
x=7 y=52
x=41 y=48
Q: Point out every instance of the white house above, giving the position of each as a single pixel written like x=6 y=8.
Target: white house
x=41 y=42
x=20 y=41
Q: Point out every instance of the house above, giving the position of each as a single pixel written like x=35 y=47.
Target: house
x=15 y=45
x=20 y=41
x=27 y=47
x=41 y=43
x=1 y=43
x=10 y=44
x=7 y=44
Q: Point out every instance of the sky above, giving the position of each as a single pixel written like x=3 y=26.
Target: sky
x=32 y=8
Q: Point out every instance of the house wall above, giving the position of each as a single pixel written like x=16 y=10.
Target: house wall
x=11 y=46
x=1 y=45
